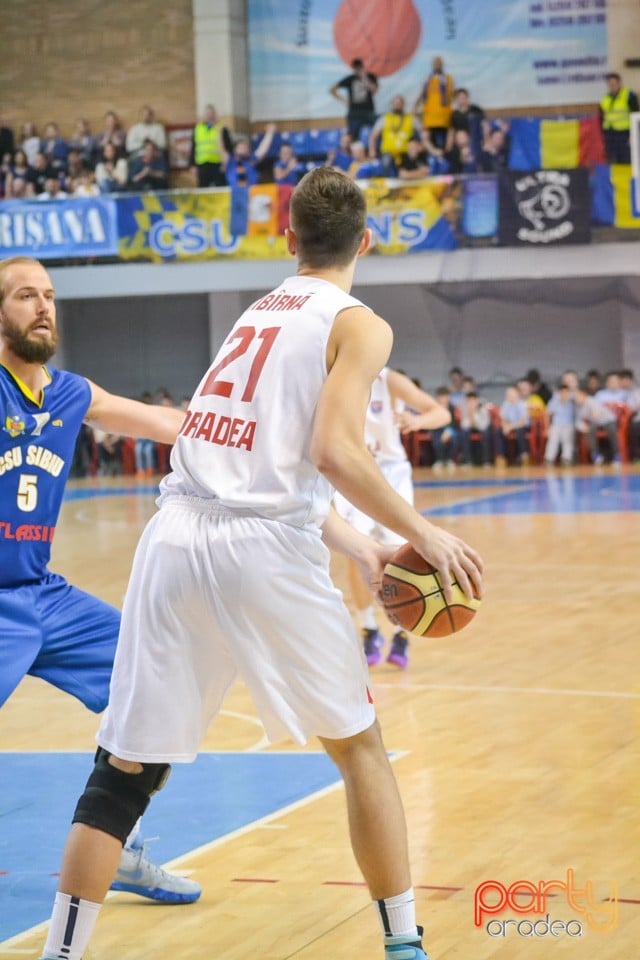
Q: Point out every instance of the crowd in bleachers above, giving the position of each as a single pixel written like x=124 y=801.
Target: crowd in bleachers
x=594 y=420
x=443 y=131
x=47 y=166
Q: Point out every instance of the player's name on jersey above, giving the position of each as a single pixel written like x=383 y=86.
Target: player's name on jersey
x=225 y=431
x=281 y=301
x=34 y=456
x=38 y=532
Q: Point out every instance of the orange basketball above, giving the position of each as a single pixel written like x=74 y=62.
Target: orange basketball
x=382 y=34
x=413 y=598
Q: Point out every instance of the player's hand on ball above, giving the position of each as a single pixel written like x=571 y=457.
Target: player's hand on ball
x=455 y=560
x=372 y=560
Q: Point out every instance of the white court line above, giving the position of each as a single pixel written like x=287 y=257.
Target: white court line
x=477 y=688
x=219 y=841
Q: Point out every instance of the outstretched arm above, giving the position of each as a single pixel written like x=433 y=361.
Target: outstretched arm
x=130 y=418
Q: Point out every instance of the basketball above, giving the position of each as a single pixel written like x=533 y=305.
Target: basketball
x=413 y=599
x=385 y=35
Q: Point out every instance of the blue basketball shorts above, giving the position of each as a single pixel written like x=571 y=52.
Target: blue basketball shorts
x=61 y=634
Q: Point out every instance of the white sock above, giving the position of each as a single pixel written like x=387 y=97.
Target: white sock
x=72 y=923
x=367 y=618
x=133 y=836
x=397 y=915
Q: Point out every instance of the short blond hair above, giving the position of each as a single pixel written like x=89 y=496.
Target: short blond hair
x=10 y=262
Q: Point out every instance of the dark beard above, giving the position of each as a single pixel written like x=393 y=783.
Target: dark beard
x=31 y=351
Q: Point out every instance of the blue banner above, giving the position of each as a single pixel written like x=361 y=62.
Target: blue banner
x=55 y=229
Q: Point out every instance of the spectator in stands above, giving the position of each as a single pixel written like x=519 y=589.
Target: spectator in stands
x=84 y=142
x=612 y=391
x=7 y=140
x=562 y=428
x=616 y=108
x=537 y=385
x=17 y=173
x=5 y=167
x=241 y=167
x=514 y=422
x=360 y=87
x=287 y=169
x=434 y=104
x=460 y=157
x=147 y=128
x=627 y=382
x=39 y=172
x=52 y=190
x=211 y=141
x=148 y=170
x=571 y=378
x=456 y=390
x=112 y=171
x=593 y=382
x=445 y=439
x=361 y=166
x=494 y=155
x=391 y=135
x=76 y=165
x=468 y=117
x=84 y=185
x=592 y=416
x=30 y=141
x=109 y=454
x=54 y=147
x=340 y=159
x=145 y=450
x=534 y=401
x=475 y=424
x=633 y=402
x=113 y=133
x=414 y=164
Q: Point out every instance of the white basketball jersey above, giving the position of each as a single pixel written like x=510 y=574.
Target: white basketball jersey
x=381 y=431
x=247 y=433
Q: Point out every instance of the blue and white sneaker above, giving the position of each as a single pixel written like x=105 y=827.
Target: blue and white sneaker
x=402 y=950
x=136 y=874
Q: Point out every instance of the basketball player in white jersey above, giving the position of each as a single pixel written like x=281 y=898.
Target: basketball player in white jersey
x=396 y=406
x=231 y=576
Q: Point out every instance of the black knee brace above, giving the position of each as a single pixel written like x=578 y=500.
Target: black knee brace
x=113 y=801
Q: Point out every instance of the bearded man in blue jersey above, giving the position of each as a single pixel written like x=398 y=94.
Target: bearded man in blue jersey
x=48 y=628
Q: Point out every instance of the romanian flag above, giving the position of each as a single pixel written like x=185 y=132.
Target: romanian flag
x=555 y=144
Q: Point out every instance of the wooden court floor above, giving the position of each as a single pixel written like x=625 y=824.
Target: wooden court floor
x=516 y=749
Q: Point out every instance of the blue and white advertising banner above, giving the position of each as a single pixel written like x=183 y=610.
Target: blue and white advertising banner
x=55 y=229
x=507 y=53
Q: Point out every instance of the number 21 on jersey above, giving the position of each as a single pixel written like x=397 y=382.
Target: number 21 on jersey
x=246 y=337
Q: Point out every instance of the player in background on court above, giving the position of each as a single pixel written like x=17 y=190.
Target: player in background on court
x=48 y=628
x=231 y=576
x=396 y=406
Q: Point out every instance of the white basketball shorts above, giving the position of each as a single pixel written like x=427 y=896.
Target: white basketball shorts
x=214 y=595
x=398 y=475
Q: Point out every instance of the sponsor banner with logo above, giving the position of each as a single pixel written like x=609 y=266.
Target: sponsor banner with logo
x=544 y=207
x=508 y=53
x=250 y=223
x=56 y=229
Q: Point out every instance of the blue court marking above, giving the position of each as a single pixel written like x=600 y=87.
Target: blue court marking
x=202 y=801
x=561 y=494
x=555 y=493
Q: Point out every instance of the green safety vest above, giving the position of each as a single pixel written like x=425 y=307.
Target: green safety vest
x=615 y=111
x=207 y=143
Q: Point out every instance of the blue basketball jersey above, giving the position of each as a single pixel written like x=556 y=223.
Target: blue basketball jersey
x=37 y=441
